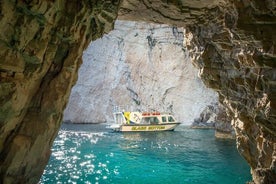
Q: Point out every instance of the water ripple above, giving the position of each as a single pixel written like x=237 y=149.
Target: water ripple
x=186 y=156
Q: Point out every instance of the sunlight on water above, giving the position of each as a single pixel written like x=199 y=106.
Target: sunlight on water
x=93 y=154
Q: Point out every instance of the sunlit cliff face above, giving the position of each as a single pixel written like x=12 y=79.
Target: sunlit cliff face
x=140 y=65
x=41 y=44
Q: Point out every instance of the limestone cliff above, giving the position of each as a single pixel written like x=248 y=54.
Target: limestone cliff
x=232 y=42
x=142 y=65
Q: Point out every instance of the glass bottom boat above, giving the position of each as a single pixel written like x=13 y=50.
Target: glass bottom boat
x=133 y=121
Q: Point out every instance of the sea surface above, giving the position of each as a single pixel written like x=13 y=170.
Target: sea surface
x=94 y=154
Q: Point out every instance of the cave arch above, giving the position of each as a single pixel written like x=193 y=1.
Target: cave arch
x=232 y=42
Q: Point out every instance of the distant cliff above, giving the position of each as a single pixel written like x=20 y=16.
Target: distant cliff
x=142 y=65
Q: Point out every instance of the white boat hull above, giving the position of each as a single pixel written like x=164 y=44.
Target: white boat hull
x=146 y=128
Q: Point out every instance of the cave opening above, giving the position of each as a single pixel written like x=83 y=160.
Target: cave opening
x=42 y=44
x=143 y=65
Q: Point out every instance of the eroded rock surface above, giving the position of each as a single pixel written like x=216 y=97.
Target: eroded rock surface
x=41 y=45
x=232 y=43
x=140 y=65
x=215 y=116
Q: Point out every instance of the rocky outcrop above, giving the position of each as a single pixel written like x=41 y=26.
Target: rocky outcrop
x=231 y=42
x=215 y=116
x=140 y=65
x=206 y=118
x=239 y=65
x=212 y=116
x=41 y=44
x=224 y=126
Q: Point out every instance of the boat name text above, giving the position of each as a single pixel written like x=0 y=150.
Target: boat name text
x=150 y=128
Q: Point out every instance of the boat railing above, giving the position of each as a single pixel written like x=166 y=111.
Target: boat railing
x=122 y=108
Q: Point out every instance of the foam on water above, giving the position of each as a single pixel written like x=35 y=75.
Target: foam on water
x=93 y=154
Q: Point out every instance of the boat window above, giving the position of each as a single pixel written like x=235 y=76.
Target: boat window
x=164 y=119
x=154 y=120
x=145 y=121
x=150 y=120
x=170 y=118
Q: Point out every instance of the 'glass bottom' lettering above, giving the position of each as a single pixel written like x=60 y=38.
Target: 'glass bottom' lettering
x=151 y=128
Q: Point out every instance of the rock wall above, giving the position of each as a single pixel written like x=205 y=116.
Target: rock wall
x=41 y=44
x=232 y=42
x=240 y=65
x=233 y=45
x=140 y=65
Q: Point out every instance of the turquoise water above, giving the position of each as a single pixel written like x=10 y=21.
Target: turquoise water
x=93 y=154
